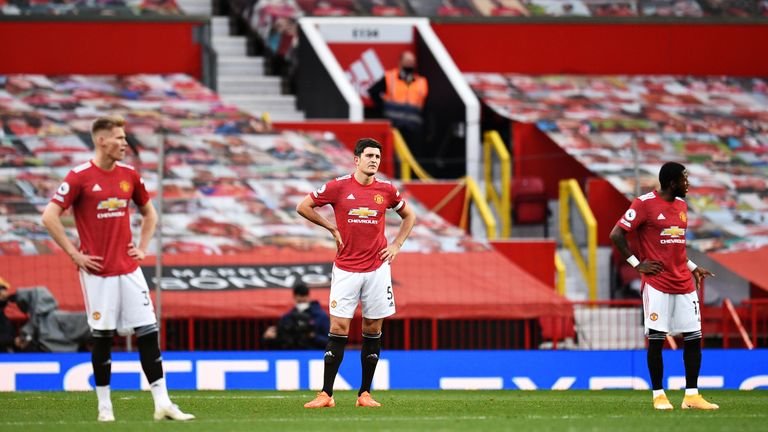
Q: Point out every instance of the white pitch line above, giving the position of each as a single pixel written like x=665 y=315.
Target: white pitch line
x=297 y=396
x=252 y=420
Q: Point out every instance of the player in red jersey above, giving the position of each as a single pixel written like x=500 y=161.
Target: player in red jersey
x=670 y=300
x=116 y=293
x=361 y=271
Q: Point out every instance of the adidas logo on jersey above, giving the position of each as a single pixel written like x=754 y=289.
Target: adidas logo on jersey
x=96 y=188
x=350 y=196
x=661 y=217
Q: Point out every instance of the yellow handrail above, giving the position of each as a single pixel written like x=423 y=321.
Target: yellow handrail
x=408 y=163
x=476 y=196
x=492 y=142
x=569 y=189
x=560 y=269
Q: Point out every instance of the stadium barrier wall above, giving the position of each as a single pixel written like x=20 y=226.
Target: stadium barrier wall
x=101 y=46
x=633 y=47
x=301 y=370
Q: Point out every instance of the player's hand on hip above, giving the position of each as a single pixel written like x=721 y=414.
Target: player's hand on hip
x=650 y=267
x=89 y=263
x=389 y=253
x=339 y=241
x=699 y=273
x=135 y=252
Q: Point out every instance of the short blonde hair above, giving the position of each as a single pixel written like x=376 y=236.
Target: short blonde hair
x=107 y=123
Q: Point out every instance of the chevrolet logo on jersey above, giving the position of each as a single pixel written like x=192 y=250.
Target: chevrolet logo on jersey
x=112 y=204
x=675 y=233
x=363 y=212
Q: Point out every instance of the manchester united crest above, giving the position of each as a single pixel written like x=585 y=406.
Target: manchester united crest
x=654 y=316
x=378 y=199
x=333 y=304
x=683 y=217
x=125 y=186
x=96 y=316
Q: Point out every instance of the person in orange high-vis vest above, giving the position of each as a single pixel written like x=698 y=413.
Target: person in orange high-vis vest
x=400 y=95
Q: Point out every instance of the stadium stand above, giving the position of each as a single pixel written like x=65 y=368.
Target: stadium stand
x=226 y=165
x=609 y=9
x=90 y=7
x=230 y=187
x=198 y=154
x=613 y=9
x=212 y=152
x=441 y=8
x=717 y=126
x=327 y=8
x=383 y=8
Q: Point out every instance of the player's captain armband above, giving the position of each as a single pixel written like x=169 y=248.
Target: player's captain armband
x=691 y=265
x=633 y=261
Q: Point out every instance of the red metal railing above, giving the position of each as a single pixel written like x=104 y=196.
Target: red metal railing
x=608 y=324
x=406 y=334
x=758 y=320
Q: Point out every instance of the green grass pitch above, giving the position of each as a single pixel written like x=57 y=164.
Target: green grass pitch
x=402 y=411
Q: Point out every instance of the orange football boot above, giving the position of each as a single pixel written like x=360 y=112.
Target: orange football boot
x=322 y=400
x=365 y=400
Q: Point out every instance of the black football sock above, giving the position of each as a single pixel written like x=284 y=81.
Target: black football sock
x=369 y=358
x=655 y=360
x=334 y=354
x=692 y=358
x=101 y=359
x=149 y=355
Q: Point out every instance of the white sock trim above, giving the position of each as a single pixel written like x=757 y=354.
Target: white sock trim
x=691 y=392
x=657 y=393
x=160 y=393
x=104 y=398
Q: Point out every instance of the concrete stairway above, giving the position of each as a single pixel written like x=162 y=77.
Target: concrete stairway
x=240 y=78
x=196 y=7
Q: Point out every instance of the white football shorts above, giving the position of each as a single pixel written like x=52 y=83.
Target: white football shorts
x=671 y=313
x=117 y=302
x=373 y=289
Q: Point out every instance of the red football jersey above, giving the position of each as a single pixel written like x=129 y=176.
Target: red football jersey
x=660 y=227
x=359 y=211
x=99 y=201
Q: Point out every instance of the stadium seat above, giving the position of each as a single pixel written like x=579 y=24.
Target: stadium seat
x=529 y=202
